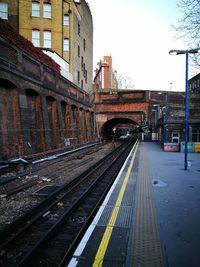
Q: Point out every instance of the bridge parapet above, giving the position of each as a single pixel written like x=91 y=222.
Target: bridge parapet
x=16 y=64
x=39 y=108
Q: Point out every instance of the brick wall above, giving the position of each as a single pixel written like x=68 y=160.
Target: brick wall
x=39 y=109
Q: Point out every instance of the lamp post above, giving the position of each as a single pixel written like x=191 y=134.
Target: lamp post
x=155 y=108
x=154 y=120
x=165 y=116
x=186 y=52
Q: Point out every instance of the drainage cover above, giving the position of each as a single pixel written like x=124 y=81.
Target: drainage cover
x=158 y=183
x=46 y=191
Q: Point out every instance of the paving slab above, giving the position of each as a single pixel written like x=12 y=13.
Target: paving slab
x=176 y=196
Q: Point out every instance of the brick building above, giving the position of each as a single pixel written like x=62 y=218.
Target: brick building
x=65 y=27
x=105 y=75
x=194 y=84
x=40 y=110
x=167 y=115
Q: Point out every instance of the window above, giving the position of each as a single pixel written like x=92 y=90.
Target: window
x=66 y=44
x=82 y=63
x=79 y=29
x=35 y=9
x=47 y=10
x=82 y=84
x=66 y=20
x=78 y=76
x=4 y=10
x=196 y=135
x=193 y=85
x=36 y=37
x=85 y=76
x=78 y=51
x=175 y=137
x=47 y=39
x=84 y=44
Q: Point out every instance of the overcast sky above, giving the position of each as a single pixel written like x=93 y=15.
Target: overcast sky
x=138 y=35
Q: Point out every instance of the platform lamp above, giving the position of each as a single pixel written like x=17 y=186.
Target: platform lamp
x=186 y=52
x=165 y=116
x=156 y=108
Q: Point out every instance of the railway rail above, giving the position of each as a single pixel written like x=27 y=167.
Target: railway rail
x=13 y=184
x=48 y=234
x=37 y=162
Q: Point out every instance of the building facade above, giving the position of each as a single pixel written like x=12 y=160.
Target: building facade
x=194 y=84
x=105 y=75
x=167 y=116
x=63 y=27
x=40 y=110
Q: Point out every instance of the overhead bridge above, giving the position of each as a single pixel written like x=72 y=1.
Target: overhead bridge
x=120 y=108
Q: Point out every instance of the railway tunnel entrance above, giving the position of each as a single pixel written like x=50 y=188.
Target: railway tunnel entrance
x=118 y=128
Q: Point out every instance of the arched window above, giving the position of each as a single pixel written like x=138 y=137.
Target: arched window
x=66 y=44
x=47 y=10
x=4 y=10
x=35 y=9
x=66 y=20
x=47 y=39
x=36 y=37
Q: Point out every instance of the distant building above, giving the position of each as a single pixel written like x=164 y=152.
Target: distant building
x=194 y=83
x=62 y=27
x=105 y=75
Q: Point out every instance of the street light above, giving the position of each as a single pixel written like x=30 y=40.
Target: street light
x=165 y=116
x=155 y=109
x=186 y=52
x=154 y=124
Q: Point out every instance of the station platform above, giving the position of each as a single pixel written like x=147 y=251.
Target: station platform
x=150 y=217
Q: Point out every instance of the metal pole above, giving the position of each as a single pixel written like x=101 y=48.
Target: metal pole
x=155 y=120
x=166 y=117
x=186 y=110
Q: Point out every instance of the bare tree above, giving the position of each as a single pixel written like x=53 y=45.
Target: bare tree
x=189 y=24
x=125 y=81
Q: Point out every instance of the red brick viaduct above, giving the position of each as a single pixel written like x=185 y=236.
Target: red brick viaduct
x=42 y=111
x=39 y=109
x=114 y=107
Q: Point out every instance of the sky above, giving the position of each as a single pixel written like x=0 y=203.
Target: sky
x=138 y=34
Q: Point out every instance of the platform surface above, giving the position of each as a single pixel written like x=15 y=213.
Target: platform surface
x=151 y=216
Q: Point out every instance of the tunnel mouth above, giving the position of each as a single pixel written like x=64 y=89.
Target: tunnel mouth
x=119 y=128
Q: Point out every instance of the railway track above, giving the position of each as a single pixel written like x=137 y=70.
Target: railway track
x=13 y=184
x=48 y=234
x=39 y=162
x=23 y=183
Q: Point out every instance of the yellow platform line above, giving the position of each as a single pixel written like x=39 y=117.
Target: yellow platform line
x=146 y=248
x=98 y=261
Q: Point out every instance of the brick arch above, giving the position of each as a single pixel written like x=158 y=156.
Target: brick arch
x=52 y=129
x=64 y=105
x=89 y=125
x=106 y=130
x=82 y=117
x=75 y=123
x=65 y=122
x=10 y=121
x=34 y=127
x=135 y=116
